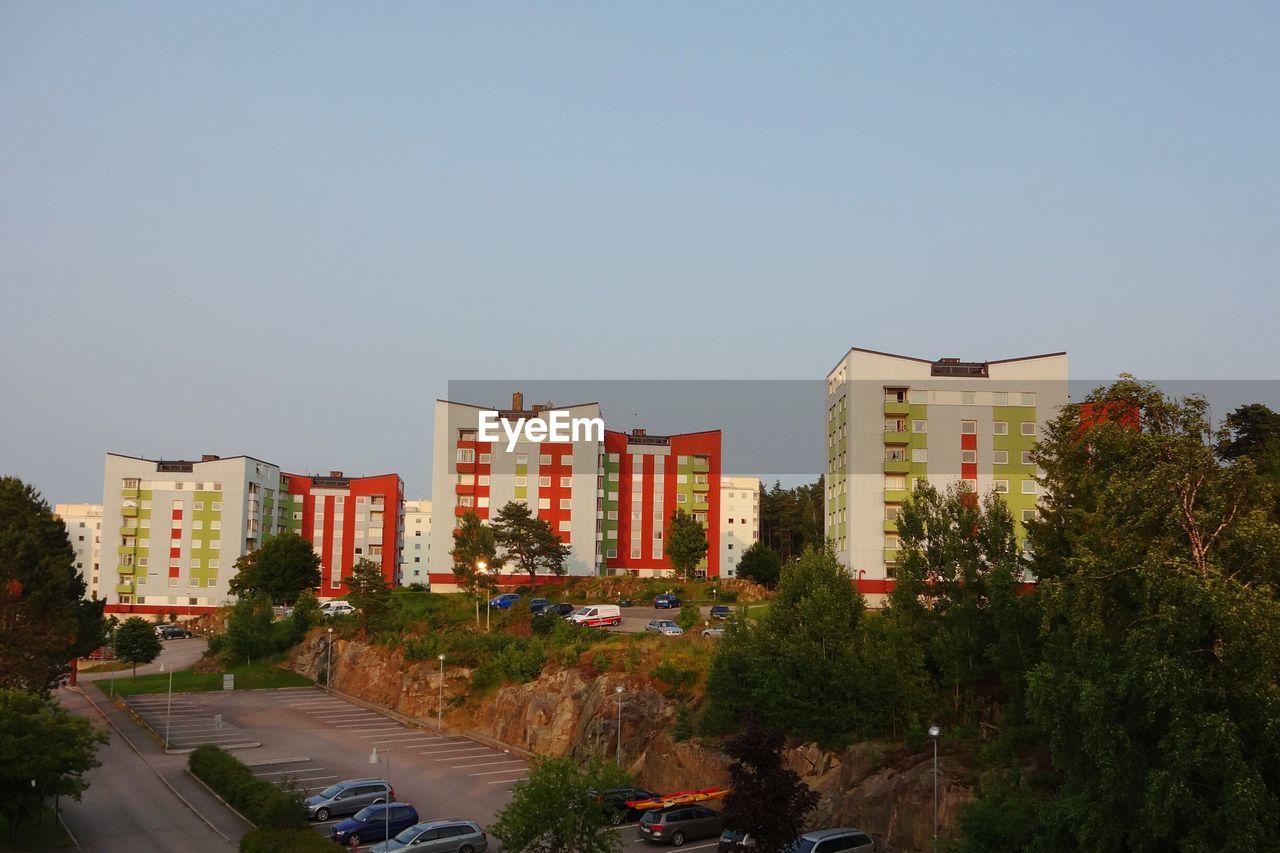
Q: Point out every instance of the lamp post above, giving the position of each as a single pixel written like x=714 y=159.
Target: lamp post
x=934 y=733
x=374 y=758
x=440 y=708
x=481 y=565
x=617 y=692
x=328 y=661
x=168 y=712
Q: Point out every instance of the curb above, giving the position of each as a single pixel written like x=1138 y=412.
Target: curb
x=247 y=744
x=166 y=782
x=75 y=841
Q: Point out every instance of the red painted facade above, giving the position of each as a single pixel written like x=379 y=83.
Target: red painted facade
x=388 y=487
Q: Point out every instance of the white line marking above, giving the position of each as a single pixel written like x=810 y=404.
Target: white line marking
x=287 y=772
x=497 y=772
x=367 y=726
x=489 y=763
x=465 y=757
x=506 y=781
x=447 y=751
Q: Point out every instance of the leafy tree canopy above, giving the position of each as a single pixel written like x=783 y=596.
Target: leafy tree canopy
x=136 y=642
x=686 y=543
x=474 y=543
x=557 y=809
x=44 y=620
x=757 y=776
x=761 y=564
x=529 y=543
x=281 y=569
x=368 y=593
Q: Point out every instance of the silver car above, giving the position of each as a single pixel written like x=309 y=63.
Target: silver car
x=841 y=840
x=715 y=632
x=348 y=797
x=665 y=627
x=452 y=835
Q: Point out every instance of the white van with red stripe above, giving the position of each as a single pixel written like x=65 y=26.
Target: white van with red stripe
x=597 y=615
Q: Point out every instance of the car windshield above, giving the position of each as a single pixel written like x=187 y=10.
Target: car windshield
x=408 y=835
x=666 y=623
x=330 y=791
x=802 y=845
x=368 y=812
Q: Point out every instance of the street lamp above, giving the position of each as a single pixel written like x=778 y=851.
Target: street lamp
x=935 y=732
x=374 y=758
x=481 y=565
x=617 y=692
x=440 y=708
x=168 y=713
x=328 y=661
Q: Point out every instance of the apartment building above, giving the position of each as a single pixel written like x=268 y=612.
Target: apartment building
x=173 y=529
x=739 y=520
x=415 y=562
x=347 y=519
x=608 y=497
x=557 y=480
x=84 y=529
x=645 y=479
x=894 y=421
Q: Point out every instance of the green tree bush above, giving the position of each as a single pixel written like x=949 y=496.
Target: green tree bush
x=686 y=543
x=250 y=633
x=136 y=642
x=265 y=804
x=557 y=809
x=281 y=569
x=760 y=564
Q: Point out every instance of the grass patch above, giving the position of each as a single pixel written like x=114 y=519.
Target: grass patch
x=39 y=831
x=262 y=675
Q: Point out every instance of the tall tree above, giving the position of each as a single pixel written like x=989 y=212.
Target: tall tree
x=761 y=564
x=756 y=777
x=250 y=635
x=369 y=593
x=44 y=752
x=136 y=642
x=791 y=519
x=281 y=569
x=1160 y=683
x=473 y=544
x=557 y=809
x=529 y=543
x=44 y=620
x=686 y=543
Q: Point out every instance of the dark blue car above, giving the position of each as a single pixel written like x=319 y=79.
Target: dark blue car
x=504 y=601
x=666 y=602
x=373 y=823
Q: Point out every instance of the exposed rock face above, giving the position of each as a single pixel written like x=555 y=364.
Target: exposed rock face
x=565 y=712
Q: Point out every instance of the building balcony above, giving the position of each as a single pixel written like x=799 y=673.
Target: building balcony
x=897 y=466
x=891 y=556
x=129 y=511
x=701 y=487
x=127 y=549
x=896 y=437
x=129 y=493
x=124 y=589
x=464 y=489
x=466 y=467
x=898 y=409
x=896 y=496
x=701 y=467
x=890 y=526
x=124 y=570
x=129 y=530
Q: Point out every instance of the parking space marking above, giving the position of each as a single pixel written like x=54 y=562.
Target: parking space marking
x=489 y=763
x=399 y=740
x=506 y=781
x=285 y=772
x=461 y=757
x=367 y=725
x=496 y=772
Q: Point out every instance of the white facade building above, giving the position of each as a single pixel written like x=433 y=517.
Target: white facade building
x=84 y=529
x=415 y=567
x=894 y=421
x=739 y=520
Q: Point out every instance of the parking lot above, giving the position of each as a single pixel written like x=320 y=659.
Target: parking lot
x=188 y=721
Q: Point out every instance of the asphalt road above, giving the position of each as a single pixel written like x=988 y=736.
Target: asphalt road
x=174 y=654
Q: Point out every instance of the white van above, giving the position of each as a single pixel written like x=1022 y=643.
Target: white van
x=597 y=615
x=336 y=608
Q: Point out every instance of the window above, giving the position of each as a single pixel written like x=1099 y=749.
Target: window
x=892 y=511
x=482 y=480
x=613 y=476
x=522 y=481
x=217 y=506
x=999 y=398
x=466 y=456
x=211 y=582
x=142 y=561
x=895 y=395
x=564 y=526
x=968 y=456
x=213 y=564
x=522 y=458
x=999 y=457
x=566 y=482
x=481 y=501
x=612 y=515
x=1029 y=487
x=968 y=398
x=612 y=553
x=544 y=503
x=485 y=458
x=1028 y=427
x=892 y=542
x=566 y=460
x=1028 y=515
x=466 y=479
x=919 y=454
x=566 y=503
x=544 y=459
x=895 y=454
x=1000 y=487
x=215 y=525
x=1028 y=398
x=635 y=553
x=544 y=482
x=919 y=426
x=969 y=427
x=1000 y=427
x=682 y=498
x=1027 y=458
x=466 y=501
x=215 y=544
x=131 y=483
x=894 y=482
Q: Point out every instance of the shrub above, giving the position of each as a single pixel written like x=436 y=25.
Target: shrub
x=674 y=675
x=726 y=596
x=259 y=801
x=690 y=615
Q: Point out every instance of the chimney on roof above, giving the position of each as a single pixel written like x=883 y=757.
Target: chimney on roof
x=335 y=473
x=209 y=457
x=517 y=401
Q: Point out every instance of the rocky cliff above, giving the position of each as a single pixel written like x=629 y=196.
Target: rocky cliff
x=877 y=787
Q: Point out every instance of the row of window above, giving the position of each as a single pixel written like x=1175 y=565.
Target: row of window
x=166 y=486
x=921 y=454
x=925 y=396
x=898 y=483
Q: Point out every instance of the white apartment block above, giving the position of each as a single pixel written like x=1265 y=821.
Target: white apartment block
x=415 y=567
x=84 y=529
x=560 y=482
x=739 y=520
x=895 y=421
x=173 y=530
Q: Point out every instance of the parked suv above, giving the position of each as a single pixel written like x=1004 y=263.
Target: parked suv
x=336 y=608
x=667 y=601
x=349 y=797
x=452 y=835
x=721 y=611
x=174 y=632
x=615 y=803
x=374 y=823
x=677 y=824
x=841 y=840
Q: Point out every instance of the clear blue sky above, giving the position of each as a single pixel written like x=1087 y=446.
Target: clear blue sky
x=280 y=229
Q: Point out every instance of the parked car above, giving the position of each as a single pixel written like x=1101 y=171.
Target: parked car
x=721 y=611
x=336 y=608
x=840 y=840
x=597 y=615
x=174 y=632
x=733 y=841
x=348 y=797
x=615 y=803
x=504 y=601
x=537 y=605
x=666 y=601
x=665 y=627
x=451 y=835
x=374 y=823
x=562 y=610
x=626 y=602
x=713 y=633
x=677 y=824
